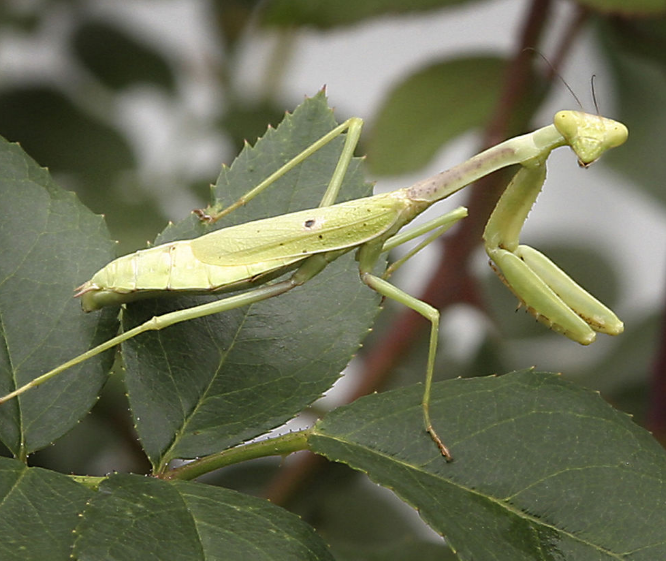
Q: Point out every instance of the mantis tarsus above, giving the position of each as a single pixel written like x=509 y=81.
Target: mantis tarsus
x=252 y=256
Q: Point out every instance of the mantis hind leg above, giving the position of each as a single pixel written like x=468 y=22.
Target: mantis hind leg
x=353 y=127
x=307 y=270
x=367 y=258
x=432 y=315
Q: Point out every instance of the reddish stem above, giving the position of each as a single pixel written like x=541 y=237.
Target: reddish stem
x=656 y=418
x=451 y=282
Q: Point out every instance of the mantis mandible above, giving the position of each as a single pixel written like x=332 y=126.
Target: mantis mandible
x=251 y=257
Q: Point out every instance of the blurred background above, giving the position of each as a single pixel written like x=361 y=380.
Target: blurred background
x=135 y=104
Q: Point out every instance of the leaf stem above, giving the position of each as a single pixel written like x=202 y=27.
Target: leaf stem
x=279 y=446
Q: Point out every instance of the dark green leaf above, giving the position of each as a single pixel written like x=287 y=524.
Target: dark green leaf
x=140 y=518
x=325 y=14
x=430 y=108
x=49 y=244
x=119 y=60
x=207 y=384
x=636 y=8
x=92 y=156
x=361 y=521
x=543 y=469
x=39 y=511
x=232 y=18
x=623 y=374
x=640 y=80
x=421 y=550
x=247 y=121
x=644 y=37
x=60 y=136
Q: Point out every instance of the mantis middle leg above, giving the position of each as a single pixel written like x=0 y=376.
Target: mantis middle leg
x=353 y=127
x=307 y=270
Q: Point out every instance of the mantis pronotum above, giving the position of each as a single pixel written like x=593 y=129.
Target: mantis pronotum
x=253 y=256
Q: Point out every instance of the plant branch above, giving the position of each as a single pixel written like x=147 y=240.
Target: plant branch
x=656 y=417
x=451 y=282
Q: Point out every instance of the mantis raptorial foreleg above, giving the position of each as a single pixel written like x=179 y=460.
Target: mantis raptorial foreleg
x=548 y=293
x=252 y=256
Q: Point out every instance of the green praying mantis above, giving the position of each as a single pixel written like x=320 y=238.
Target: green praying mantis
x=252 y=259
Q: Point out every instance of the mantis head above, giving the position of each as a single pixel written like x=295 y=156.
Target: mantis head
x=589 y=135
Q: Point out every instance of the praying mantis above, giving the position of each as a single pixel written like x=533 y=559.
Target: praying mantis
x=253 y=258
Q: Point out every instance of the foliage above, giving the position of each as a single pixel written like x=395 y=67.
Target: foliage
x=543 y=468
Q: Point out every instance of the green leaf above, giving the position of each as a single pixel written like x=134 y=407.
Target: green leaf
x=204 y=385
x=49 y=244
x=325 y=14
x=542 y=469
x=623 y=374
x=232 y=18
x=134 y=517
x=91 y=156
x=245 y=121
x=642 y=38
x=635 y=53
x=360 y=521
x=117 y=59
x=44 y=515
x=421 y=550
x=430 y=108
x=59 y=135
x=636 y=8
x=39 y=510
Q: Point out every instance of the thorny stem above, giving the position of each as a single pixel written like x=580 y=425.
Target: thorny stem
x=451 y=282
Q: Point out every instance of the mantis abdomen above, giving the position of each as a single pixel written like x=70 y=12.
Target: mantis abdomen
x=168 y=267
x=247 y=254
